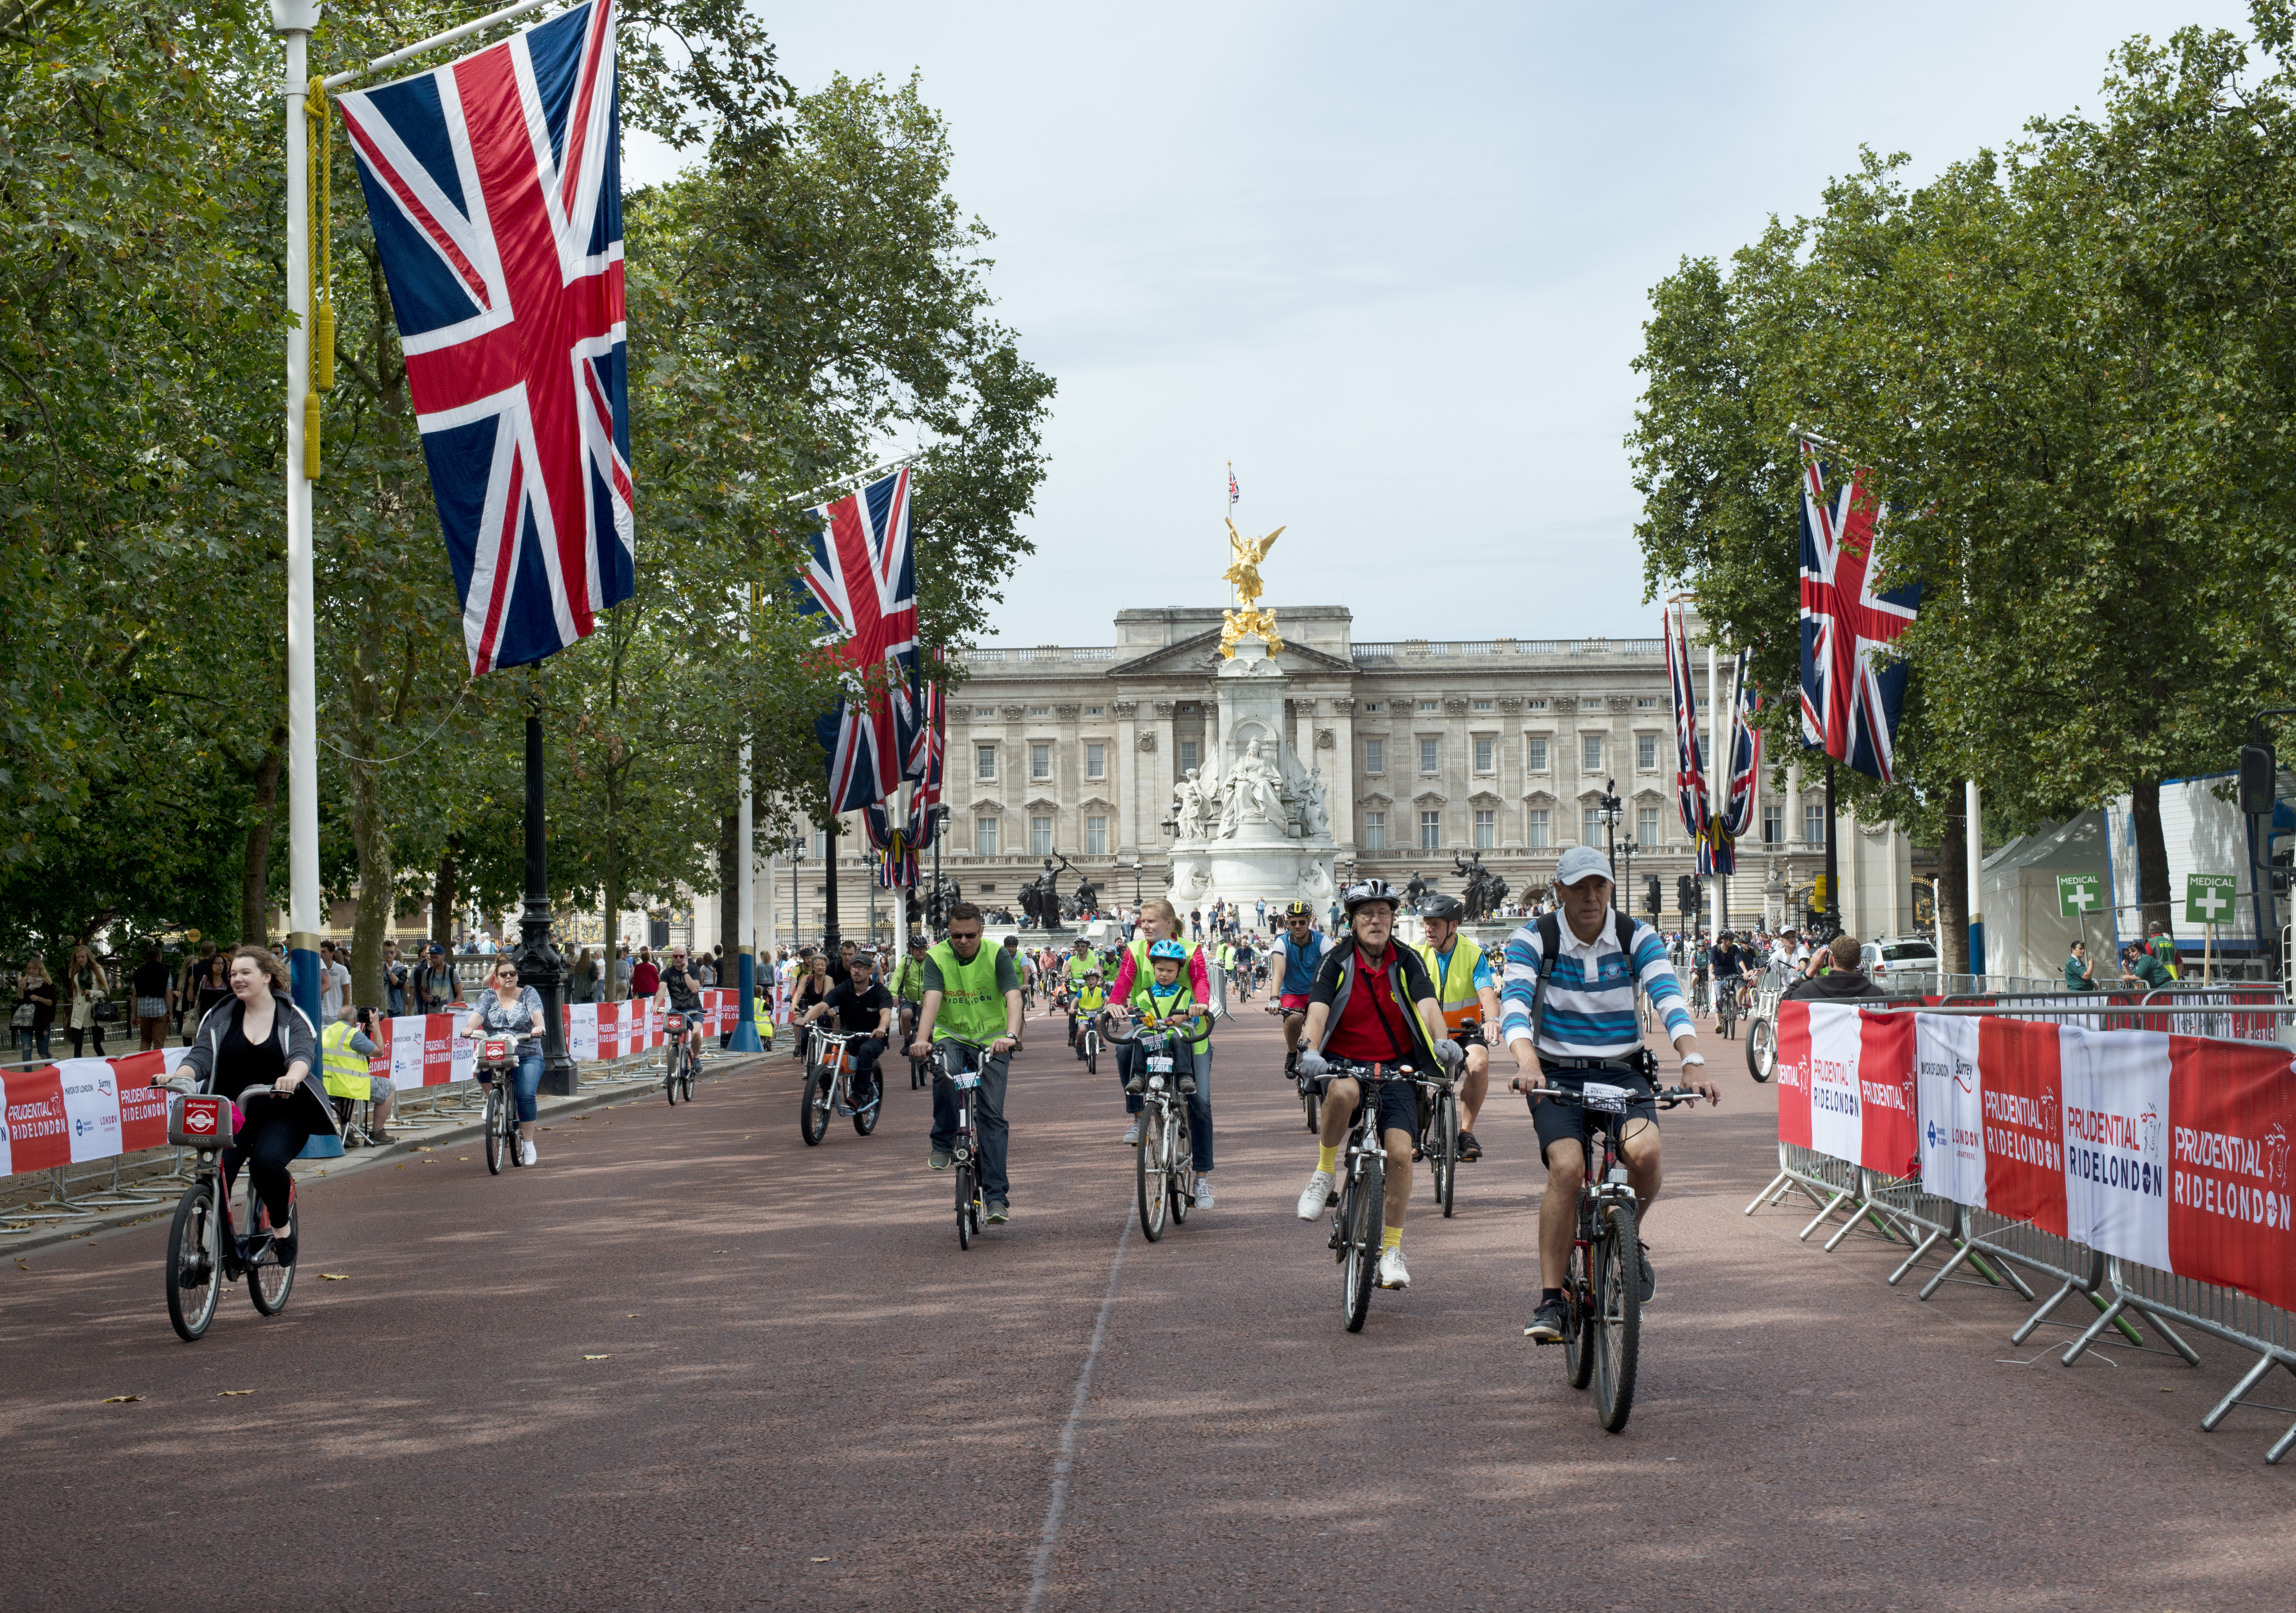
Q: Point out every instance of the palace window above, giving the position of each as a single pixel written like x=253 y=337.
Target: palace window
x=1374 y=756
x=1590 y=752
x=984 y=836
x=1478 y=705
x=1040 y=761
x=1040 y=837
x=1535 y=829
x=1374 y=832
x=1092 y=711
x=1534 y=756
x=1486 y=755
x=1427 y=755
x=1487 y=827
x=1774 y=825
x=1813 y=823
x=1430 y=830
x=1371 y=706
x=1096 y=836
x=1040 y=711
x=1646 y=826
x=1430 y=705
x=1096 y=761
x=984 y=761
x=1187 y=754
x=1646 y=752
x=1590 y=826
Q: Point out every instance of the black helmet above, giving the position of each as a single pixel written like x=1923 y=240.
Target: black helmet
x=1442 y=906
x=1370 y=891
x=1298 y=910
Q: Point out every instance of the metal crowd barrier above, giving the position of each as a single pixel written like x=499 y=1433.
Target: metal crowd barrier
x=2123 y=1292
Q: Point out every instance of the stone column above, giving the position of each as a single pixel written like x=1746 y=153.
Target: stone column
x=1124 y=774
x=1068 y=780
x=1513 y=782
x=1341 y=773
x=1159 y=775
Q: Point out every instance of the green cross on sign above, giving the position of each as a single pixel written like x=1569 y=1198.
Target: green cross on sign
x=2209 y=897
x=2078 y=894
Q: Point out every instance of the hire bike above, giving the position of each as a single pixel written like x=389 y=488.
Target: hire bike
x=1164 y=1165
x=1602 y=1291
x=960 y=1061
x=680 y=1061
x=1311 y=1090
x=1359 y=1191
x=1725 y=1005
x=495 y=1064
x=828 y=1087
x=205 y=1247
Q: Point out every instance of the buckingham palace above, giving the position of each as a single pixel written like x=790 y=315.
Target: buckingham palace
x=1500 y=746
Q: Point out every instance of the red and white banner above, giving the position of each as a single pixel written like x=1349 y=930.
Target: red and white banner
x=1846 y=1084
x=1991 y=1110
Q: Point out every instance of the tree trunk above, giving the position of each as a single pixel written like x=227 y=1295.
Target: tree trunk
x=443 y=892
x=370 y=836
x=255 y=877
x=729 y=882
x=2151 y=856
x=1952 y=888
x=609 y=872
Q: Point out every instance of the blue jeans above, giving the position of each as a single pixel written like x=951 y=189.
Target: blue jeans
x=1200 y=1105
x=989 y=1120
x=25 y=1036
x=524 y=1083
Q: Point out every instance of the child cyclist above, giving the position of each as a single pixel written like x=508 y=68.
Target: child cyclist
x=1165 y=997
x=1087 y=996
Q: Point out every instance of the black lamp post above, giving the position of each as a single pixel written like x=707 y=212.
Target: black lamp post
x=937 y=913
x=540 y=963
x=1626 y=890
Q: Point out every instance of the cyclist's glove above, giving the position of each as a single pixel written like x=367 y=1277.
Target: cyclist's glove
x=1450 y=1052
x=1311 y=1063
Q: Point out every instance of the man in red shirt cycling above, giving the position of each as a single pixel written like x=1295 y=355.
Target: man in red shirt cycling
x=1372 y=1003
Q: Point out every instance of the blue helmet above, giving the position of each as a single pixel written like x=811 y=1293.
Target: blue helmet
x=1168 y=949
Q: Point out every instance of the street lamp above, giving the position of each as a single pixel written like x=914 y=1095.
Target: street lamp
x=1608 y=811
x=796 y=868
x=1626 y=849
x=937 y=912
x=1135 y=881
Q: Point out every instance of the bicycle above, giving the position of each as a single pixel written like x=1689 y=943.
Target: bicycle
x=205 y=1249
x=919 y=1070
x=681 y=1061
x=1359 y=1216
x=1602 y=1289
x=1439 y=1127
x=1311 y=1092
x=1163 y=1166
x=829 y=1088
x=1726 y=1007
x=494 y=1066
x=960 y=1062
x=1088 y=1034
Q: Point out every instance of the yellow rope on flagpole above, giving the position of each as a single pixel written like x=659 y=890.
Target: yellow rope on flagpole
x=320 y=199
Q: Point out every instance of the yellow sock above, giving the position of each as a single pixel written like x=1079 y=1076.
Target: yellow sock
x=1392 y=1238
x=1327 y=1158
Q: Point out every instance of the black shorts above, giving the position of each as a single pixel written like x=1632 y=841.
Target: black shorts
x=1398 y=1105
x=1558 y=1121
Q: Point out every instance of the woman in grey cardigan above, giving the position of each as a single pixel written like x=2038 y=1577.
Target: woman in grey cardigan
x=259 y=1043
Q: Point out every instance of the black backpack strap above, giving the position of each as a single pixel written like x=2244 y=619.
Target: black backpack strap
x=1550 y=941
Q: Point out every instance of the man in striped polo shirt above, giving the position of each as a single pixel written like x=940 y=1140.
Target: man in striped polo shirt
x=1587 y=1020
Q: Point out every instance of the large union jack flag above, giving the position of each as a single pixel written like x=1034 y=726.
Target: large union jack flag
x=863 y=583
x=928 y=760
x=1853 y=683
x=1691 y=797
x=495 y=188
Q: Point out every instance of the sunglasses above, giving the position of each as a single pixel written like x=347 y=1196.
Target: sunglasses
x=965 y=935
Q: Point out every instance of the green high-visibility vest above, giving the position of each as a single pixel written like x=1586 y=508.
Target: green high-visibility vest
x=970 y=1005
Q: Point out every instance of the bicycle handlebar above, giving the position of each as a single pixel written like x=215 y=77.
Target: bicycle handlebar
x=1665 y=1097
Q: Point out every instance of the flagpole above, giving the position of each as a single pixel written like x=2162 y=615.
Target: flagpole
x=1974 y=849
x=293 y=21
x=745 y=932
x=1719 y=772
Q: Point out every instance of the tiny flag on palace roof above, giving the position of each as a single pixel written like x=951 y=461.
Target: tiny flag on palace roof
x=863 y=583
x=1853 y=681
x=1233 y=492
x=494 y=185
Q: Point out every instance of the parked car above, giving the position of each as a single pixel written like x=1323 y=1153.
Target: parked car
x=1903 y=954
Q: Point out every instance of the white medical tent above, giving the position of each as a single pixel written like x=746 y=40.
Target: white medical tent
x=2025 y=937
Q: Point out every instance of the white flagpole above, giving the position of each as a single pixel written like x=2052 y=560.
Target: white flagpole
x=1713 y=775
x=293 y=21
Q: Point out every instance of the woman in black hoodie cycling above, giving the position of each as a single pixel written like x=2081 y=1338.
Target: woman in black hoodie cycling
x=259 y=1039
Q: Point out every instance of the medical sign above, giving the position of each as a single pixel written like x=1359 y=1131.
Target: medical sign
x=2209 y=897
x=2078 y=895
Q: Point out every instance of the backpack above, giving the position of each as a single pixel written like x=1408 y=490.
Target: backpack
x=1550 y=941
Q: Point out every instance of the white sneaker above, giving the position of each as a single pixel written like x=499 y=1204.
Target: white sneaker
x=1204 y=1192
x=1313 y=1196
x=525 y=1153
x=1132 y=1137
x=1391 y=1272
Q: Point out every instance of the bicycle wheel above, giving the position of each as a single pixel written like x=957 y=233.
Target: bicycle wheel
x=813 y=1104
x=669 y=1084
x=269 y=1281
x=1092 y=1052
x=1148 y=1172
x=495 y=1106
x=1446 y=1124
x=1578 y=1320
x=1761 y=1049
x=194 y=1263
x=964 y=1204
x=510 y=1130
x=1366 y=1213
x=865 y=1115
x=688 y=1067
x=1312 y=1100
x=1180 y=1168
x=1617 y=1315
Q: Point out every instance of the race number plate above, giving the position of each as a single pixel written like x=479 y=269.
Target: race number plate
x=1604 y=1098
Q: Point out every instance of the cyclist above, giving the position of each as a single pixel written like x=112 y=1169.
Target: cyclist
x=1728 y=965
x=909 y=985
x=1243 y=965
x=681 y=990
x=1468 y=988
x=862 y=1006
x=512 y=1010
x=1298 y=953
x=1024 y=971
x=261 y=1039
x=1164 y=997
x=1567 y=1010
x=1372 y=1003
x=1160 y=920
x=975 y=995
x=814 y=985
x=1089 y=996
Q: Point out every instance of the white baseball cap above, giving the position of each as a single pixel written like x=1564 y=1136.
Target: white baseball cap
x=1579 y=862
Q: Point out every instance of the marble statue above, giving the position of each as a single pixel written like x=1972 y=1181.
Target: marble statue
x=1315 y=816
x=1253 y=793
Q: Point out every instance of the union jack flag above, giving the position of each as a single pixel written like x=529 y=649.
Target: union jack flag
x=1689 y=760
x=1233 y=492
x=494 y=185
x=932 y=752
x=896 y=854
x=1743 y=774
x=1853 y=684
x=863 y=582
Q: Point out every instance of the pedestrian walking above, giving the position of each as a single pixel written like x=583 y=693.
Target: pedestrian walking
x=585 y=978
x=214 y=987
x=334 y=984
x=394 y=979
x=435 y=986
x=36 y=1010
x=152 y=986
x=91 y=1001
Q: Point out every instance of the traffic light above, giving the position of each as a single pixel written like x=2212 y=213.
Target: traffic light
x=1685 y=894
x=2258 y=780
x=1653 y=897
x=916 y=908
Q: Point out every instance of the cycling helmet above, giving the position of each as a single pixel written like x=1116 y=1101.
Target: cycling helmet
x=1441 y=906
x=1370 y=891
x=1298 y=910
x=1168 y=949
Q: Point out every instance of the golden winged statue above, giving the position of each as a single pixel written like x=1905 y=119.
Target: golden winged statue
x=1244 y=573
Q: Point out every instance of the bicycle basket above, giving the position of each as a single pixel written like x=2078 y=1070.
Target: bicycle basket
x=196 y=1121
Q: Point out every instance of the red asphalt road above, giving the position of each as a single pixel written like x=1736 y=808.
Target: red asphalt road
x=808 y=1398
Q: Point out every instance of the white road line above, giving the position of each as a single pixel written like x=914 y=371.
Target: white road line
x=1064 y=1463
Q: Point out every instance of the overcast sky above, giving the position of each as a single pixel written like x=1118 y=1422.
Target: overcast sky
x=1394 y=261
